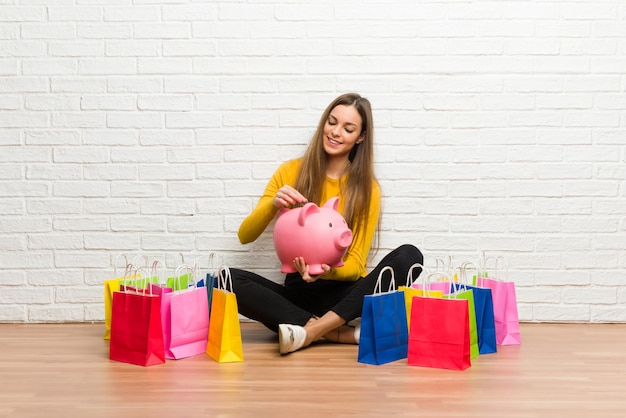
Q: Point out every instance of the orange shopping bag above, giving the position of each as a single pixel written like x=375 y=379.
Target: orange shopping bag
x=224 y=343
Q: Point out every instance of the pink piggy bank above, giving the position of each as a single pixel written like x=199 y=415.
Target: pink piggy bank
x=318 y=234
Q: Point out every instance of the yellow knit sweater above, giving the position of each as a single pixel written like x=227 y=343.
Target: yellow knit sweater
x=355 y=260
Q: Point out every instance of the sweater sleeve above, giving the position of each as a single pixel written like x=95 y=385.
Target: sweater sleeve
x=355 y=260
x=261 y=216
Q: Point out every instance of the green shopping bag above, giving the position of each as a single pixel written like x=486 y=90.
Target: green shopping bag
x=462 y=292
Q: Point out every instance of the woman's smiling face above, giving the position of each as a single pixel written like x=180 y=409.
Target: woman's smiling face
x=342 y=131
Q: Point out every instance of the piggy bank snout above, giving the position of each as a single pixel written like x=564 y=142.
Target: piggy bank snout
x=343 y=239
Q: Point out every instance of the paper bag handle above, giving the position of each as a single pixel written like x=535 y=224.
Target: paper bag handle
x=409 y=275
x=154 y=274
x=115 y=261
x=147 y=288
x=462 y=277
x=448 y=279
x=145 y=260
x=213 y=263
x=224 y=279
x=497 y=270
x=446 y=265
x=427 y=281
x=392 y=282
x=128 y=273
x=134 y=273
x=191 y=277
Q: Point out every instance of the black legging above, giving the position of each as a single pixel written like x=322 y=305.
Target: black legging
x=297 y=301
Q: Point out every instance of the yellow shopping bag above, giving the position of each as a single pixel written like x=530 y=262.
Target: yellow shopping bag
x=224 y=344
x=114 y=285
x=111 y=286
x=410 y=291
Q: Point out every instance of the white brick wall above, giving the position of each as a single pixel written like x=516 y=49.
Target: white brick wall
x=151 y=127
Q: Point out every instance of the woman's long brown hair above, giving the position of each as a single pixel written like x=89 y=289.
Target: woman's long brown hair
x=360 y=178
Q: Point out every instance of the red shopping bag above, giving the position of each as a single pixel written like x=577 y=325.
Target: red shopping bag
x=136 y=332
x=505 y=312
x=439 y=335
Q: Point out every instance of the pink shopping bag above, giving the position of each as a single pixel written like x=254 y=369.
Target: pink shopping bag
x=504 y=306
x=186 y=319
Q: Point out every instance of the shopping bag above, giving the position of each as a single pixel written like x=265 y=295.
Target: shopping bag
x=157 y=288
x=193 y=278
x=186 y=320
x=136 y=332
x=462 y=292
x=505 y=312
x=164 y=292
x=438 y=281
x=180 y=283
x=485 y=321
x=211 y=278
x=111 y=286
x=483 y=307
x=384 y=333
x=190 y=322
x=224 y=343
x=439 y=335
x=209 y=283
x=150 y=271
x=411 y=289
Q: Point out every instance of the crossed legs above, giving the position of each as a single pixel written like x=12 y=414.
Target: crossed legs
x=303 y=313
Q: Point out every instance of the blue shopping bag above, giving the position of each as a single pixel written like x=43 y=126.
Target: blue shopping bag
x=384 y=332
x=483 y=307
x=485 y=324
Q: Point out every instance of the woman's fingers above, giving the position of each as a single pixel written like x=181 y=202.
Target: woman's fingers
x=303 y=269
x=288 y=196
x=300 y=265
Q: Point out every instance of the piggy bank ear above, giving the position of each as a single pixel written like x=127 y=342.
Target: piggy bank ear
x=332 y=203
x=306 y=211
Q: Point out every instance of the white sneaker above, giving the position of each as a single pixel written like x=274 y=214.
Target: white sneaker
x=290 y=338
x=357 y=331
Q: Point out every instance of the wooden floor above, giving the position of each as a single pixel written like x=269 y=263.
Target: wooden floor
x=560 y=370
